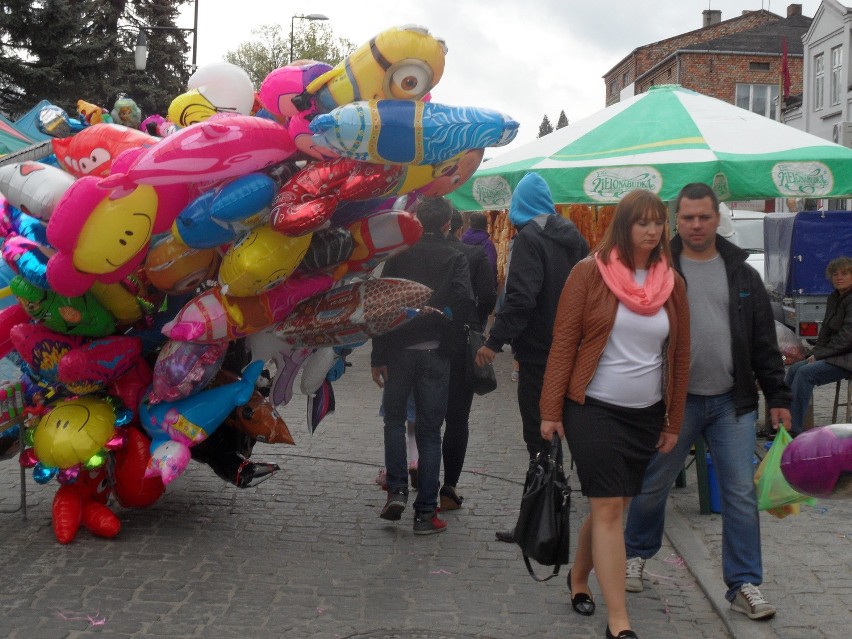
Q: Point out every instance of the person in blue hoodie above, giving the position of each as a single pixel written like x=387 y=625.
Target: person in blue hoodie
x=545 y=250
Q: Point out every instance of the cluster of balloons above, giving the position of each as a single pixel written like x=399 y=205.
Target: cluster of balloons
x=174 y=274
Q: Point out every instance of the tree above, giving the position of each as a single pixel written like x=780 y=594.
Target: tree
x=545 y=127
x=64 y=51
x=270 y=49
x=562 y=121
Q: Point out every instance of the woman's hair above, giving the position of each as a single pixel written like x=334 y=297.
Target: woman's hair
x=478 y=221
x=635 y=206
x=838 y=265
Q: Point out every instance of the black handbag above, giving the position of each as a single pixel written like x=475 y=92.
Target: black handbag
x=542 y=530
x=479 y=379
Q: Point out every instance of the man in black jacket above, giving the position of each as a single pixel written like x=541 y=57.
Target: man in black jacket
x=415 y=358
x=454 y=445
x=733 y=344
x=545 y=250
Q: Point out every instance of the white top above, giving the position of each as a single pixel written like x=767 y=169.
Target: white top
x=629 y=372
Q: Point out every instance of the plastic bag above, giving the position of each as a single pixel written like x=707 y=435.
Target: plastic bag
x=792 y=349
x=774 y=494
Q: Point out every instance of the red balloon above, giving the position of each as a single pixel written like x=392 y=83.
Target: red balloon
x=132 y=488
x=84 y=502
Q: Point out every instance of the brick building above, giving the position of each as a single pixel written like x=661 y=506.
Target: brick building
x=737 y=60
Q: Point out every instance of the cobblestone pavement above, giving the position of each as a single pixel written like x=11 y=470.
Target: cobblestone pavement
x=305 y=555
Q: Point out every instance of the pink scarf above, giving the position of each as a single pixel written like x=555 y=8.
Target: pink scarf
x=646 y=299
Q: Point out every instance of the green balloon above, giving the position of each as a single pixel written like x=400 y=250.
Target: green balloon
x=83 y=315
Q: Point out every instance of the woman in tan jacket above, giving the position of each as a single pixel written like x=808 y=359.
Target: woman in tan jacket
x=615 y=385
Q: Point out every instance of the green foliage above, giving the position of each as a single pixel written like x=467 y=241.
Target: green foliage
x=270 y=48
x=64 y=51
x=562 y=121
x=545 y=127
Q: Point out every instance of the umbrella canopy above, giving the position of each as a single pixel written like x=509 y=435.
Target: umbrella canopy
x=660 y=141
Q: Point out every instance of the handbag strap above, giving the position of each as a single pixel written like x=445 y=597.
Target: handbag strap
x=536 y=577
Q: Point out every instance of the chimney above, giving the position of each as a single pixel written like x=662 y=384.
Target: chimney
x=711 y=16
x=794 y=10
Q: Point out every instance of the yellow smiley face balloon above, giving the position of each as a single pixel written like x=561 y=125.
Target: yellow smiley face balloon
x=116 y=231
x=260 y=261
x=73 y=431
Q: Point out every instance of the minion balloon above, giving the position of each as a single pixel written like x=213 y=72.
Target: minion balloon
x=402 y=63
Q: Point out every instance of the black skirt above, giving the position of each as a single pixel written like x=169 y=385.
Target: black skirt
x=611 y=445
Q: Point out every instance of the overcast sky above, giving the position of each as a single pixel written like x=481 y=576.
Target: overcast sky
x=525 y=58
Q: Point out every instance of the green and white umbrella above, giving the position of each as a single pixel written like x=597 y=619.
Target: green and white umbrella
x=661 y=140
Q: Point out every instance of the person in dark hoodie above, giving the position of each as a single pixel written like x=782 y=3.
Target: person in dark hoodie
x=456 y=432
x=545 y=250
x=415 y=358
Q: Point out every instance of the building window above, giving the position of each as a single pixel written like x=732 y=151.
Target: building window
x=758 y=98
x=625 y=79
x=612 y=88
x=819 y=81
x=836 y=72
x=758 y=66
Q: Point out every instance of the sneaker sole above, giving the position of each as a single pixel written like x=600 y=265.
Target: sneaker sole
x=392 y=512
x=766 y=614
x=633 y=587
x=431 y=531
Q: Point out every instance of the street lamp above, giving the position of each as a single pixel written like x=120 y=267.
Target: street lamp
x=140 y=53
x=310 y=16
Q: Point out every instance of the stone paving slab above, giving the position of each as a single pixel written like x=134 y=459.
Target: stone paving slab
x=305 y=555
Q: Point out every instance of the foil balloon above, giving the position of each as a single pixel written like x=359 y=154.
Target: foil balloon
x=257 y=418
x=403 y=63
x=320 y=405
x=308 y=200
x=10 y=317
x=104 y=235
x=73 y=430
x=34 y=187
x=353 y=313
x=213 y=316
x=224 y=146
x=84 y=502
x=184 y=368
x=226 y=86
x=93 y=150
x=177 y=269
x=450 y=175
x=92 y=113
x=82 y=315
x=222 y=214
x=410 y=132
x=315 y=369
x=27 y=258
x=54 y=122
x=176 y=426
x=379 y=237
x=128 y=300
x=260 y=261
x=287 y=359
x=41 y=349
x=132 y=488
x=281 y=85
x=818 y=462
x=126 y=112
x=98 y=363
x=329 y=248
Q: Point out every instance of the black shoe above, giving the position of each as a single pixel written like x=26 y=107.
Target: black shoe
x=624 y=634
x=582 y=602
x=767 y=433
x=507 y=536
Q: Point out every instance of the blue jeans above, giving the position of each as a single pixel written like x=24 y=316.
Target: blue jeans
x=730 y=439
x=426 y=375
x=801 y=378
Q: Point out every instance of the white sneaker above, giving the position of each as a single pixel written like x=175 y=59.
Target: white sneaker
x=633 y=575
x=751 y=603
